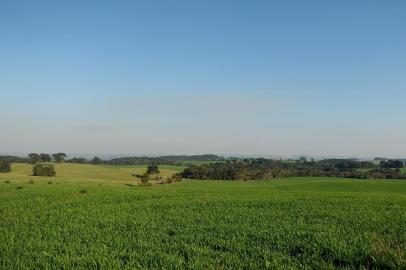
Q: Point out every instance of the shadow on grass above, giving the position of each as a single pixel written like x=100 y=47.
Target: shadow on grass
x=130 y=185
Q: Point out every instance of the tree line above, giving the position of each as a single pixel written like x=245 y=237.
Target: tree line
x=258 y=169
x=182 y=160
x=43 y=157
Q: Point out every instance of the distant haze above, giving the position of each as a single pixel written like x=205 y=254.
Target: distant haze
x=318 y=78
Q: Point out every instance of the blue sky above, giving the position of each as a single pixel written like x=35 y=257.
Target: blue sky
x=322 y=78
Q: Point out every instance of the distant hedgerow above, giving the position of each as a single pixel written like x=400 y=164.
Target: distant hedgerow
x=43 y=170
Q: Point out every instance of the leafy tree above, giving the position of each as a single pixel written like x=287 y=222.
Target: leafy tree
x=59 y=157
x=5 y=166
x=96 y=160
x=34 y=158
x=45 y=157
x=153 y=169
x=43 y=170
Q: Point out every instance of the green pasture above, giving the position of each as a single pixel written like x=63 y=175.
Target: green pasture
x=94 y=217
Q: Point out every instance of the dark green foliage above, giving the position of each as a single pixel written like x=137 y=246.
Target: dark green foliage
x=258 y=169
x=392 y=164
x=34 y=158
x=77 y=160
x=43 y=170
x=96 y=161
x=49 y=182
x=7 y=181
x=152 y=169
x=31 y=181
x=14 y=159
x=19 y=187
x=162 y=160
x=181 y=160
x=5 y=166
x=45 y=157
x=59 y=157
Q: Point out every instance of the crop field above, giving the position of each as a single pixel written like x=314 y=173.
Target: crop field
x=92 y=216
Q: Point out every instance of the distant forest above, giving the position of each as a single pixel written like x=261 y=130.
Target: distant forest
x=219 y=168
x=259 y=169
x=181 y=160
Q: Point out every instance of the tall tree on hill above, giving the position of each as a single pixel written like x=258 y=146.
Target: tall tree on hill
x=34 y=157
x=45 y=157
x=59 y=157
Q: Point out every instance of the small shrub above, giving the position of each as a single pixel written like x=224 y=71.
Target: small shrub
x=31 y=182
x=145 y=178
x=49 y=182
x=83 y=191
x=169 y=180
x=43 y=170
x=19 y=187
x=177 y=178
x=7 y=181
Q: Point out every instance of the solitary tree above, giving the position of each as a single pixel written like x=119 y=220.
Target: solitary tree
x=153 y=169
x=34 y=157
x=59 y=157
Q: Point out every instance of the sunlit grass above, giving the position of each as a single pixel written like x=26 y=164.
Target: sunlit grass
x=94 y=217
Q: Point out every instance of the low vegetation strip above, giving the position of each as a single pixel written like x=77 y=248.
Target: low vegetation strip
x=261 y=169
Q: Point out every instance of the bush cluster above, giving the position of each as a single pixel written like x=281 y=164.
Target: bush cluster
x=173 y=178
x=43 y=170
x=5 y=166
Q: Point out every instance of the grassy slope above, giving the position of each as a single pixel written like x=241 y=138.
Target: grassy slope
x=81 y=221
x=73 y=173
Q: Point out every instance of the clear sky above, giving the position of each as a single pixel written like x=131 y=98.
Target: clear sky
x=182 y=77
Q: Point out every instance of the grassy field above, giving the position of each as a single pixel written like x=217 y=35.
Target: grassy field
x=84 y=173
x=94 y=217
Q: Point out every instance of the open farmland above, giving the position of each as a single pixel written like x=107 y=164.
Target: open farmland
x=93 y=217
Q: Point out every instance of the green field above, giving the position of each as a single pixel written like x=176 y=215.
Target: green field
x=96 y=217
